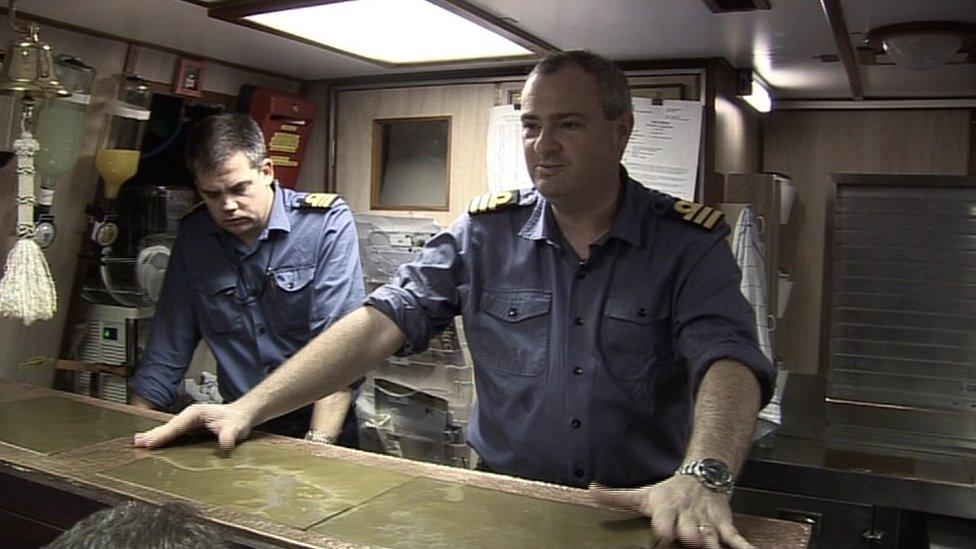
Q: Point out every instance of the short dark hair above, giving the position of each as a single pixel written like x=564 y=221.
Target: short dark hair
x=610 y=80
x=137 y=524
x=216 y=138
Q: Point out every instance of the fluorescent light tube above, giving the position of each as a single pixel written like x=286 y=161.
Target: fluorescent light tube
x=392 y=31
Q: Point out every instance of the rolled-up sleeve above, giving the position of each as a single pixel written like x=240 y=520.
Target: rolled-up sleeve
x=424 y=298
x=713 y=319
x=172 y=340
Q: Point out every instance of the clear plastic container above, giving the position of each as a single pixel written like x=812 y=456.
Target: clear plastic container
x=61 y=124
x=118 y=158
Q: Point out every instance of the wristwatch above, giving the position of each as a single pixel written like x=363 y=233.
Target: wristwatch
x=714 y=474
x=320 y=437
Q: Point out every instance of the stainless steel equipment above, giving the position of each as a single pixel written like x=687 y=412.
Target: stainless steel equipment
x=418 y=406
x=130 y=270
x=113 y=335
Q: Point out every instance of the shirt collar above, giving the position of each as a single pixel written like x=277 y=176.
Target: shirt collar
x=278 y=218
x=628 y=224
x=541 y=225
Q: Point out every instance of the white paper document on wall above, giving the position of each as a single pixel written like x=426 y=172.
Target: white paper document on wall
x=506 y=160
x=663 y=149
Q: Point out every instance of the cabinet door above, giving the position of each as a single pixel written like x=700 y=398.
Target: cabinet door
x=835 y=524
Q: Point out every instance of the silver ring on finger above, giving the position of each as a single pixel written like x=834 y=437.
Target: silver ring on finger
x=706 y=530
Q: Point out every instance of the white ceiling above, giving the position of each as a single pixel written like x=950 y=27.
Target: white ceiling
x=781 y=43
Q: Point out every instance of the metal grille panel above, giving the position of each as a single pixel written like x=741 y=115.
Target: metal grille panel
x=902 y=313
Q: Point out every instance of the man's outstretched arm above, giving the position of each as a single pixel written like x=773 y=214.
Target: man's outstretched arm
x=329 y=363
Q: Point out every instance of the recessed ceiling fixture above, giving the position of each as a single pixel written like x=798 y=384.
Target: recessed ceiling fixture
x=923 y=45
x=390 y=32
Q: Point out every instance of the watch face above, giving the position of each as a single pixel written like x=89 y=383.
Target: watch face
x=714 y=473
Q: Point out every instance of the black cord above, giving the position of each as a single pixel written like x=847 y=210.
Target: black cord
x=250 y=297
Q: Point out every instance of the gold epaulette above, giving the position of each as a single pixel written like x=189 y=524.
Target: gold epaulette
x=704 y=216
x=493 y=202
x=193 y=209
x=322 y=201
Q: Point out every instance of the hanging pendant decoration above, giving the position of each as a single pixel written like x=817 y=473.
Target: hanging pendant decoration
x=27 y=289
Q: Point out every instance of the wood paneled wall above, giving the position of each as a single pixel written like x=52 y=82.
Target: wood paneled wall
x=732 y=133
x=810 y=145
x=467 y=104
x=737 y=126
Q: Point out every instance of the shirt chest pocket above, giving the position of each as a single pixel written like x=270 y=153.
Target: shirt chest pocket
x=217 y=306
x=289 y=298
x=636 y=339
x=511 y=331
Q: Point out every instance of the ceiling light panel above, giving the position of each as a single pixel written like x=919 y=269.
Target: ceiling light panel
x=397 y=32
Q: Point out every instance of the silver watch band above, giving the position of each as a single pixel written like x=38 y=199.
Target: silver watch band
x=712 y=473
x=320 y=437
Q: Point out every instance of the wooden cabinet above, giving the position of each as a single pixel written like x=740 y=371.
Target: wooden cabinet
x=834 y=524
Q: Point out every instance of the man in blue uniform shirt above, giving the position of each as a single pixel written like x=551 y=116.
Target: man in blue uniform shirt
x=611 y=342
x=257 y=273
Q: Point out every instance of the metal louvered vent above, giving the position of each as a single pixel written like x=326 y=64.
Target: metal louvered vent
x=113 y=388
x=899 y=326
x=98 y=349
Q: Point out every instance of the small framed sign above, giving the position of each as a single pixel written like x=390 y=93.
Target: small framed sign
x=189 y=77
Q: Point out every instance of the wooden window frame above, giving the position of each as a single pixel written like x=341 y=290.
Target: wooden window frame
x=376 y=170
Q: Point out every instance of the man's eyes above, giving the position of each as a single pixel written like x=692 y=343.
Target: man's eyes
x=535 y=127
x=236 y=190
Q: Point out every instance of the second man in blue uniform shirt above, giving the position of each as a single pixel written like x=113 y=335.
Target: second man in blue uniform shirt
x=257 y=273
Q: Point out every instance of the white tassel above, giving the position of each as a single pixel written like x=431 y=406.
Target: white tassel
x=27 y=289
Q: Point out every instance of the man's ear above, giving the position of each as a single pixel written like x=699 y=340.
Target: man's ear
x=267 y=169
x=623 y=125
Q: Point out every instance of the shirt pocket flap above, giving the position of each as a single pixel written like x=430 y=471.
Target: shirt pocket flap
x=629 y=310
x=293 y=279
x=222 y=283
x=515 y=305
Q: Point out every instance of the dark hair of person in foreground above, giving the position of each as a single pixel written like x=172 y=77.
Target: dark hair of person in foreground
x=140 y=525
